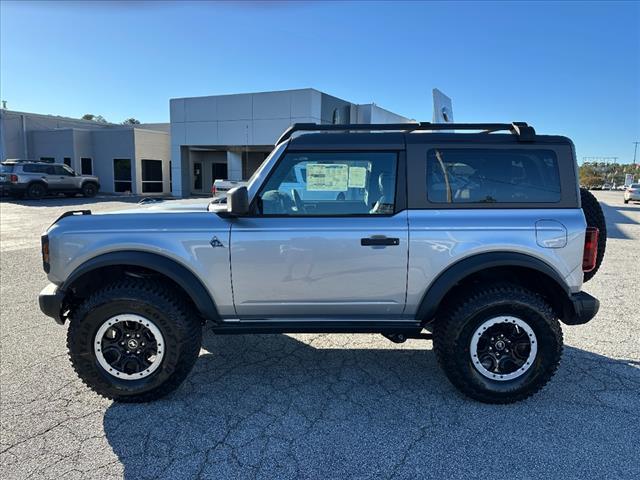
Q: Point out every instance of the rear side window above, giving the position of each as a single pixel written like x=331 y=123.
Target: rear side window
x=38 y=169
x=6 y=168
x=469 y=175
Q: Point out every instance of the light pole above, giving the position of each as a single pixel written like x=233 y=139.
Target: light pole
x=635 y=151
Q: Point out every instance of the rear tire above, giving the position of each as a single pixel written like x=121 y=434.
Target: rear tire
x=474 y=368
x=167 y=321
x=36 y=190
x=626 y=201
x=594 y=216
x=89 y=189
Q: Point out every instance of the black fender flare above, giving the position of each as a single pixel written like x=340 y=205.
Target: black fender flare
x=467 y=266
x=156 y=262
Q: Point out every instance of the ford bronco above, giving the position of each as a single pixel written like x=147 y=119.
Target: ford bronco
x=479 y=240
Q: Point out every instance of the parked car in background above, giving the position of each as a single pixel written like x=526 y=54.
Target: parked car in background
x=221 y=187
x=37 y=179
x=606 y=186
x=632 y=193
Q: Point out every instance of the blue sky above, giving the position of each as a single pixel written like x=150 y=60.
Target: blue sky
x=567 y=68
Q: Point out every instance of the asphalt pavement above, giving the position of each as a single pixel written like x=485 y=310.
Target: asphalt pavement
x=317 y=406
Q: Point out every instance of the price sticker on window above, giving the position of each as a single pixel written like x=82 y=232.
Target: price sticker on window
x=357 y=177
x=327 y=177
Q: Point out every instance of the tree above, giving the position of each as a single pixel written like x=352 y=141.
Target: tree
x=131 y=121
x=94 y=118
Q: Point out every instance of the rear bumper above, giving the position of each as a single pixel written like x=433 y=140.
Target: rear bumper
x=585 y=307
x=50 y=300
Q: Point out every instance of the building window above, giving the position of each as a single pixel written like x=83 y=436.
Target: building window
x=170 y=178
x=152 y=176
x=86 y=166
x=219 y=171
x=122 y=174
x=48 y=159
x=67 y=161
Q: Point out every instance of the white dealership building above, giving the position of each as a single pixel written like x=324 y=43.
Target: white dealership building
x=228 y=136
x=208 y=138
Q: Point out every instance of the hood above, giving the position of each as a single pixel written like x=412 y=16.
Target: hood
x=152 y=205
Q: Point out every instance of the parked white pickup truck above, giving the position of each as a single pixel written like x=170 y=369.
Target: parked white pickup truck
x=221 y=187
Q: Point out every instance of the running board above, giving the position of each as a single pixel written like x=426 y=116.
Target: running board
x=407 y=328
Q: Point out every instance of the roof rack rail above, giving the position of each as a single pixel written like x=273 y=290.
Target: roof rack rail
x=521 y=130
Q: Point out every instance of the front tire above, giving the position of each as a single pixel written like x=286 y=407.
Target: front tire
x=165 y=329
x=500 y=345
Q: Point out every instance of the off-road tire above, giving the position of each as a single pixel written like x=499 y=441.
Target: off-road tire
x=174 y=317
x=454 y=329
x=36 y=190
x=595 y=218
x=89 y=189
x=626 y=201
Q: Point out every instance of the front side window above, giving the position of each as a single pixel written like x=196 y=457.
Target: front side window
x=331 y=183
x=63 y=170
x=468 y=175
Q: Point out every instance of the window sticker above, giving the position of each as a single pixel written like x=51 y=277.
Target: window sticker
x=327 y=177
x=357 y=177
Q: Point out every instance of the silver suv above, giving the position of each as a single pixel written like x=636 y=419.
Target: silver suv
x=37 y=179
x=479 y=241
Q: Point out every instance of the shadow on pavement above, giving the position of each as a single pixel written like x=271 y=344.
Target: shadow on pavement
x=272 y=406
x=615 y=216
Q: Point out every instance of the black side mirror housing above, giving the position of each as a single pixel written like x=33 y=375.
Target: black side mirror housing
x=238 y=201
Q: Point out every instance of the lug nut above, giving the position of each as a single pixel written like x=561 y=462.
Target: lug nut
x=138 y=352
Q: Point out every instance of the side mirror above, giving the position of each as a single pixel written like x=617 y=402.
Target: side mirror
x=238 y=201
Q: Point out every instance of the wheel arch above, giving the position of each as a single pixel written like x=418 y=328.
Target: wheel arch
x=102 y=268
x=520 y=268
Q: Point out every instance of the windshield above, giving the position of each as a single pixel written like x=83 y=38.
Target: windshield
x=69 y=169
x=252 y=184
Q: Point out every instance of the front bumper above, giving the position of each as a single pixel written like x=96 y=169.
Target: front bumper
x=50 y=300
x=584 y=308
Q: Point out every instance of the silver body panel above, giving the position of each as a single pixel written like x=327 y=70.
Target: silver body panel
x=182 y=236
x=440 y=238
x=316 y=266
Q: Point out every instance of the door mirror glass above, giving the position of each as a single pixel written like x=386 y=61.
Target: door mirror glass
x=238 y=201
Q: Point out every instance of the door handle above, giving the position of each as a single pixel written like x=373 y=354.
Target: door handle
x=379 y=241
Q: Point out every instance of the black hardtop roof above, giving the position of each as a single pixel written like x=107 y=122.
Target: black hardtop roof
x=419 y=132
x=398 y=140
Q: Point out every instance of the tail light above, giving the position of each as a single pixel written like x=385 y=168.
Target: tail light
x=45 y=253
x=13 y=178
x=590 y=253
x=214 y=190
